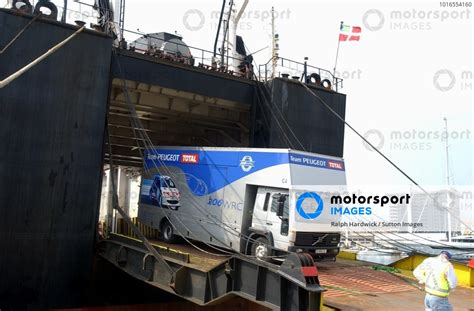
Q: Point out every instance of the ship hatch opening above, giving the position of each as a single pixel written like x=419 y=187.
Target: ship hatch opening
x=172 y=117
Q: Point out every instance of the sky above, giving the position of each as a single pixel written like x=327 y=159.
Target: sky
x=411 y=68
x=389 y=74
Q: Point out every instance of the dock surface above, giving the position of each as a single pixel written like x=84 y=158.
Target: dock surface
x=355 y=285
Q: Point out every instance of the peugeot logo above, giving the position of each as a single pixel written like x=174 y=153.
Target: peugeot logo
x=247 y=163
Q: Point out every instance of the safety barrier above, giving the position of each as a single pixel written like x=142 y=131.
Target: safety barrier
x=301 y=71
x=464 y=273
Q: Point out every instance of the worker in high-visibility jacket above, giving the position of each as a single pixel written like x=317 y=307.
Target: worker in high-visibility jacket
x=437 y=273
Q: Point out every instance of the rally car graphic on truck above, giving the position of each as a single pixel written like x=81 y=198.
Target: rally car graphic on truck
x=161 y=191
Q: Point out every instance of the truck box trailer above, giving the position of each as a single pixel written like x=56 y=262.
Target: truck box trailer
x=239 y=198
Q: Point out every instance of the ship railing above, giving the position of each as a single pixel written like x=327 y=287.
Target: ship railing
x=296 y=70
x=198 y=57
x=204 y=58
x=88 y=15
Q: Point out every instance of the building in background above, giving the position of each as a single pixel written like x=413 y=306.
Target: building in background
x=439 y=211
x=128 y=190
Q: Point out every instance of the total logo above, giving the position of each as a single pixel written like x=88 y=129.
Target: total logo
x=247 y=163
x=189 y=158
x=315 y=198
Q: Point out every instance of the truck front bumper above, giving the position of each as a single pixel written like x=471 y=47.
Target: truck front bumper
x=328 y=253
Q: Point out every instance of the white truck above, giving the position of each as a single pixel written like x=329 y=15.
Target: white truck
x=239 y=198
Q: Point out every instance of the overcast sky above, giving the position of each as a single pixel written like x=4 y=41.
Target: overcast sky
x=411 y=68
x=389 y=75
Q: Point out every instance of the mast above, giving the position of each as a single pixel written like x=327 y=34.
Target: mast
x=225 y=36
x=447 y=150
x=218 y=30
x=274 y=45
x=63 y=17
x=119 y=17
x=122 y=19
x=448 y=182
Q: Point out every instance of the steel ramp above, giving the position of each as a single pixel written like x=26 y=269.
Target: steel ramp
x=205 y=279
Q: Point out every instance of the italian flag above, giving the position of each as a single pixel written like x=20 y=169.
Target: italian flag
x=349 y=33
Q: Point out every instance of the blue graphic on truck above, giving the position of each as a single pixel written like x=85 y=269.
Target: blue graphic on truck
x=216 y=168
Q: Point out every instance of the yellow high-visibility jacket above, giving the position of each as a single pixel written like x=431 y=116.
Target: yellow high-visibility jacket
x=434 y=272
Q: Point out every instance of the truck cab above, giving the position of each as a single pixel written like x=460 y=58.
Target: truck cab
x=271 y=224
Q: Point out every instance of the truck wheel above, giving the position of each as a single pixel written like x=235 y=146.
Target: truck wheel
x=167 y=233
x=261 y=249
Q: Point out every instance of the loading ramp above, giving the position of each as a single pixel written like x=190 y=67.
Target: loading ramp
x=207 y=279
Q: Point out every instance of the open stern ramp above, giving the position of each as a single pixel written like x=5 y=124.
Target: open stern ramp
x=208 y=279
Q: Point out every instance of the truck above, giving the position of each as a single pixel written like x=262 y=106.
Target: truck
x=248 y=200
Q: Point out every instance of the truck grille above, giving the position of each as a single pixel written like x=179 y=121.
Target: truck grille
x=309 y=238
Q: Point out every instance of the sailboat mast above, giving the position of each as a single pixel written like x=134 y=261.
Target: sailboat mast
x=447 y=150
x=446 y=136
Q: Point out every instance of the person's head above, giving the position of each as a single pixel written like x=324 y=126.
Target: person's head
x=446 y=255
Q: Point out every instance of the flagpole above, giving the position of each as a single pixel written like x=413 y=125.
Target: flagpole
x=337 y=52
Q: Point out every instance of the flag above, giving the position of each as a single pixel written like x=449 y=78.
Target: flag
x=349 y=33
